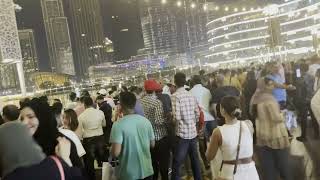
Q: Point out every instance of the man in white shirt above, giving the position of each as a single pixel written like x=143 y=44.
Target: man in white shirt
x=91 y=122
x=72 y=104
x=203 y=97
x=109 y=100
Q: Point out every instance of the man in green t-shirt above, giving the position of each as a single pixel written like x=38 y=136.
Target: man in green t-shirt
x=132 y=137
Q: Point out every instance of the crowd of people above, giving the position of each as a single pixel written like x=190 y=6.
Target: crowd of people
x=166 y=130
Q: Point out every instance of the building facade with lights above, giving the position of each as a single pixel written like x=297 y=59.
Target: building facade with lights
x=280 y=31
x=29 y=54
x=173 y=27
x=87 y=36
x=58 y=37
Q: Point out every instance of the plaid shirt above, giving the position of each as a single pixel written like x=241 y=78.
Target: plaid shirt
x=153 y=111
x=185 y=113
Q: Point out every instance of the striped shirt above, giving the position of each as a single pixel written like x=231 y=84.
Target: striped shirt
x=185 y=113
x=153 y=111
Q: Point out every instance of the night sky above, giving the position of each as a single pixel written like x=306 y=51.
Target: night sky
x=31 y=18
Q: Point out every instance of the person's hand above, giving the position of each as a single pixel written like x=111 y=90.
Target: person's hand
x=63 y=149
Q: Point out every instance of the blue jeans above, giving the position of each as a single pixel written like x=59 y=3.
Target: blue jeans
x=209 y=126
x=183 y=148
x=274 y=162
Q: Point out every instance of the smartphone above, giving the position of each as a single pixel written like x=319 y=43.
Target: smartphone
x=298 y=73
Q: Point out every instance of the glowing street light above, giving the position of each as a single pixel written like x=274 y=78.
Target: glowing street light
x=179 y=3
x=217 y=8
x=235 y=9
x=244 y=9
x=226 y=8
x=205 y=7
x=193 y=5
x=163 y=1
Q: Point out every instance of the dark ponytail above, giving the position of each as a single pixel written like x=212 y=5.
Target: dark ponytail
x=231 y=105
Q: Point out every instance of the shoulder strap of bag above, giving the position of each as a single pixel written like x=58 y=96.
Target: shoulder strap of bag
x=59 y=165
x=238 y=149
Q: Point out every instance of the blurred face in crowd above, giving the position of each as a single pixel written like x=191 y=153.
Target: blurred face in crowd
x=172 y=89
x=274 y=69
x=29 y=118
x=270 y=85
x=99 y=102
x=66 y=120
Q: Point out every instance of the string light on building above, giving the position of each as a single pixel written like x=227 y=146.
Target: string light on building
x=179 y=3
x=193 y=5
x=205 y=7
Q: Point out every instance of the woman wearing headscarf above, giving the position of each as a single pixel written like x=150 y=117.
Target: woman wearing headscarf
x=24 y=159
x=37 y=115
x=271 y=133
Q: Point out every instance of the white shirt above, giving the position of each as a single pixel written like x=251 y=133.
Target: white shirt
x=313 y=69
x=75 y=139
x=315 y=106
x=110 y=102
x=91 y=122
x=166 y=90
x=71 y=105
x=203 y=97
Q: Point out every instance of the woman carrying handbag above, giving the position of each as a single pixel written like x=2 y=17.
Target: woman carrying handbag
x=235 y=141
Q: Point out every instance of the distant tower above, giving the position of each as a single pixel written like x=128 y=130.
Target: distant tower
x=58 y=38
x=29 y=54
x=86 y=34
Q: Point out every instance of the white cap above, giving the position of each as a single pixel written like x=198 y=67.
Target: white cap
x=103 y=92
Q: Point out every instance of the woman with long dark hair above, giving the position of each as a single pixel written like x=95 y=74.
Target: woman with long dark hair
x=38 y=116
x=22 y=158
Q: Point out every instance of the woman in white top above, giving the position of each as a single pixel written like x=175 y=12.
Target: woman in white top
x=237 y=161
x=70 y=126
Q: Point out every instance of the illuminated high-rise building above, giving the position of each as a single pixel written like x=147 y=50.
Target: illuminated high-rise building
x=10 y=52
x=87 y=36
x=29 y=54
x=173 y=28
x=159 y=27
x=58 y=38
